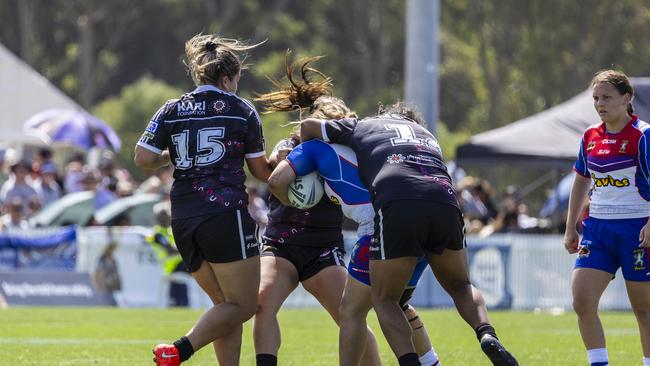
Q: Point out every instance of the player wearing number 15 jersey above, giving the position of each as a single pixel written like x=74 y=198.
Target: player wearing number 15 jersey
x=416 y=214
x=208 y=134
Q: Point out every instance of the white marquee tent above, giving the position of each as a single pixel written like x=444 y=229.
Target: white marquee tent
x=23 y=93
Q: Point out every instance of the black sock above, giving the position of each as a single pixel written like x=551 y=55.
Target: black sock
x=409 y=359
x=484 y=329
x=184 y=347
x=265 y=359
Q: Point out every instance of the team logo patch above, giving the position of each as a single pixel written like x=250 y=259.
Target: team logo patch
x=591 y=146
x=335 y=200
x=639 y=259
x=220 y=106
x=395 y=159
x=583 y=251
x=623 y=146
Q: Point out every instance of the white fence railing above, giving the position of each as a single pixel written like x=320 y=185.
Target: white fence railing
x=513 y=272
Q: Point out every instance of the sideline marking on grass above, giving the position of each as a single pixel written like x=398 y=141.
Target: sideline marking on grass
x=8 y=340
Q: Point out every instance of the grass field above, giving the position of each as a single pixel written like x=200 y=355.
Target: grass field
x=107 y=336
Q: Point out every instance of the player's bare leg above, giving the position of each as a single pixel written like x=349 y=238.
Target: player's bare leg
x=588 y=286
x=639 y=294
x=279 y=279
x=452 y=272
x=388 y=280
x=228 y=347
x=240 y=294
x=327 y=287
x=420 y=337
x=353 y=332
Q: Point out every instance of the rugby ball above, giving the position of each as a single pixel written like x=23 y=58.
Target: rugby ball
x=306 y=191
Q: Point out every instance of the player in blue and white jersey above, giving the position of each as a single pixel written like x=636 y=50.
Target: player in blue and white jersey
x=613 y=168
x=315 y=96
x=337 y=164
x=301 y=247
x=207 y=134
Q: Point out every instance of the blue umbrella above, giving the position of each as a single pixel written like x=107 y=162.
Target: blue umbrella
x=77 y=128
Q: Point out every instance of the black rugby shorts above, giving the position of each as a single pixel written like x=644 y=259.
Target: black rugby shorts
x=308 y=260
x=412 y=228
x=219 y=238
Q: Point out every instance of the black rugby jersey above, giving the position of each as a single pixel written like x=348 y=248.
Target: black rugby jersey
x=318 y=226
x=398 y=159
x=208 y=132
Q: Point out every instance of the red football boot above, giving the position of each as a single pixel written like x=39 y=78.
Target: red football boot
x=166 y=355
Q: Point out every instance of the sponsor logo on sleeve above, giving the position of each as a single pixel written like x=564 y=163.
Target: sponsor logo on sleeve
x=152 y=127
x=591 y=146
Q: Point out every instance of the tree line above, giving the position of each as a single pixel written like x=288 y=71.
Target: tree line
x=501 y=60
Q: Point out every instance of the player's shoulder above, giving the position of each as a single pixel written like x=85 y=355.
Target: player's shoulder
x=641 y=126
x=593 y=129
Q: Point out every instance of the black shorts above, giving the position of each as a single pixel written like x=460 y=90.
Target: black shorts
x=410 y=228
x=220 y=238
x=308 y=260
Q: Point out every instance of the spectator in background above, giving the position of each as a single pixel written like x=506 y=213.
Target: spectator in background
x=103 y=195
x=13 y=219
x=18 y=185
x=43 y=156
x=46 y=185
x=106 y=277
x=476 y=201
x=33 y=206
x=74 y=174
x=163 y=244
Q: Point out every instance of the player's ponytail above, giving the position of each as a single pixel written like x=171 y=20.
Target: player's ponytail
x=209 y=57
x=313 y=93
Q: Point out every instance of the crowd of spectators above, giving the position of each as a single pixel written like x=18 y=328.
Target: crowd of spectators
x=484 y=216
x=27 y=185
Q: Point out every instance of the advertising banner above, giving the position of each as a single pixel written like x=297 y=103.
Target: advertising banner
x=50 y=289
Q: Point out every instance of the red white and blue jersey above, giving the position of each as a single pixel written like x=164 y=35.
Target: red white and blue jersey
x=337 y=164
x=618 y=166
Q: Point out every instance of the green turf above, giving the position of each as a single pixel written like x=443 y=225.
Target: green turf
x=106 y=336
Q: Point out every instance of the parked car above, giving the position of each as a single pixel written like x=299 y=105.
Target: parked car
x=136 y=210
x=73 y=208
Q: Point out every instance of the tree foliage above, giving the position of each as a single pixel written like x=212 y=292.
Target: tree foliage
x=131 y=111
x=501 y=60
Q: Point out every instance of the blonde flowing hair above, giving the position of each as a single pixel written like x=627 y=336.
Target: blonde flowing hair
x=311 y=93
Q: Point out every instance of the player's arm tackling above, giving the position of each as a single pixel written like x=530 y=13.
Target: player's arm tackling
x=279 y=182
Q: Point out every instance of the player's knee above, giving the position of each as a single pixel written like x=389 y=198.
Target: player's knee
x=350 y=311
x=457 y=288
x=584 y=306
x=413 y=317
x=246 y=310
x=642 y=313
